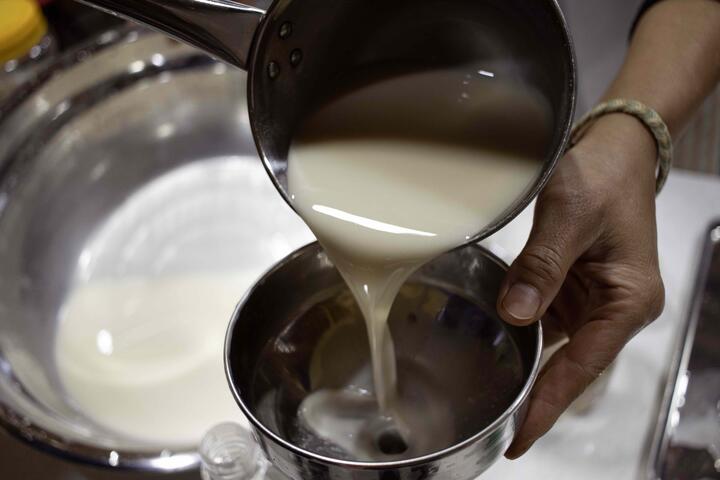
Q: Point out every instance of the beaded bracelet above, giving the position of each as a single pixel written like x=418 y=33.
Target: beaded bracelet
x=649 y=117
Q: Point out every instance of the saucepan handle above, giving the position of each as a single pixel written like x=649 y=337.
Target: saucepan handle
x=223 y=28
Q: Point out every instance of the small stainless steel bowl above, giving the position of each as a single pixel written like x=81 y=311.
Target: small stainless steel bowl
x=276 y=335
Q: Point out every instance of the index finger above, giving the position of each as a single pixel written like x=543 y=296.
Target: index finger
x=568 y=373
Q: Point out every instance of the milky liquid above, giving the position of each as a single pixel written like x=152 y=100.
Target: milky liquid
x=139 y=342
x=141 y=357
x=398 y=172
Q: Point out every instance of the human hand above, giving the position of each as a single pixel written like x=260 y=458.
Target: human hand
x=590 y=267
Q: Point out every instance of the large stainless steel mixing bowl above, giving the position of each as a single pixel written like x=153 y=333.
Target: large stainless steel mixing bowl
x=108 y=166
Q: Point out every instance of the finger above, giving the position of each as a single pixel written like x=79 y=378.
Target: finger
x=568 y=373
x=552 y=334
x=558 y=237
x=565 y=314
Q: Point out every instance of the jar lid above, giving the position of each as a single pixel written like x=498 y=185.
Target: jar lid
x=22 y=26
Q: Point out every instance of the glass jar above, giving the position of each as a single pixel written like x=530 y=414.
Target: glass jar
x=229 y=452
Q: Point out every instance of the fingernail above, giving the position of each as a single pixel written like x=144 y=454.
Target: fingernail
x=522 y=301
x=512 y=455
x=515 y=451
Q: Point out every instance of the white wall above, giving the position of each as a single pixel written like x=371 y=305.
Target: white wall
x=601 y=30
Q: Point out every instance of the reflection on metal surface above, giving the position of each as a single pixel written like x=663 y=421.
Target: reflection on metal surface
x=94 y=167
x=317 y=321
x=687 y=439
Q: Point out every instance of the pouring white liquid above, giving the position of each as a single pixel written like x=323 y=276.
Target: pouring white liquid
x=394 y=174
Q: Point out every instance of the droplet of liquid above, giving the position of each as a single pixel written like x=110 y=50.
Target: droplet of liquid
x=296 y=57
x=285 y=30
x=273 y=70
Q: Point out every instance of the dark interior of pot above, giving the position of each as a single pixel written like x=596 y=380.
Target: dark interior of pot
x=448 y=339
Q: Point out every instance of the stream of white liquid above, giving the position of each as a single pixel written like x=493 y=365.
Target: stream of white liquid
x=398 y=172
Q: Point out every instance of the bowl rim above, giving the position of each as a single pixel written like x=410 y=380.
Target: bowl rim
x=512 y=409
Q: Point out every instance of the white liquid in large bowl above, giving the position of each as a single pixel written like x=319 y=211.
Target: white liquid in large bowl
x=139 y=346
x=144 y=358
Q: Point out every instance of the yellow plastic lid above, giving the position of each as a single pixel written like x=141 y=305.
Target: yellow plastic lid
x=22 y=25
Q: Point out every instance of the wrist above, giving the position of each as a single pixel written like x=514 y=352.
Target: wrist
x=626 y=140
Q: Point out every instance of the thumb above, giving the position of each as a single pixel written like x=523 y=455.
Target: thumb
x=535 y=277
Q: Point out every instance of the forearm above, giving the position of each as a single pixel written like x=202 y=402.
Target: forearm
x=674 y=59
x=672 y=65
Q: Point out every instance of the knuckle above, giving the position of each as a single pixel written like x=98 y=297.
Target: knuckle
x=650 y=295
x=655 y=296
x=544 y=263
x=587 y=373
x=552 y=405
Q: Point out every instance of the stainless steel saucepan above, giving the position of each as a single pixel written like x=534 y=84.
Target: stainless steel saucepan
x=301 y=53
